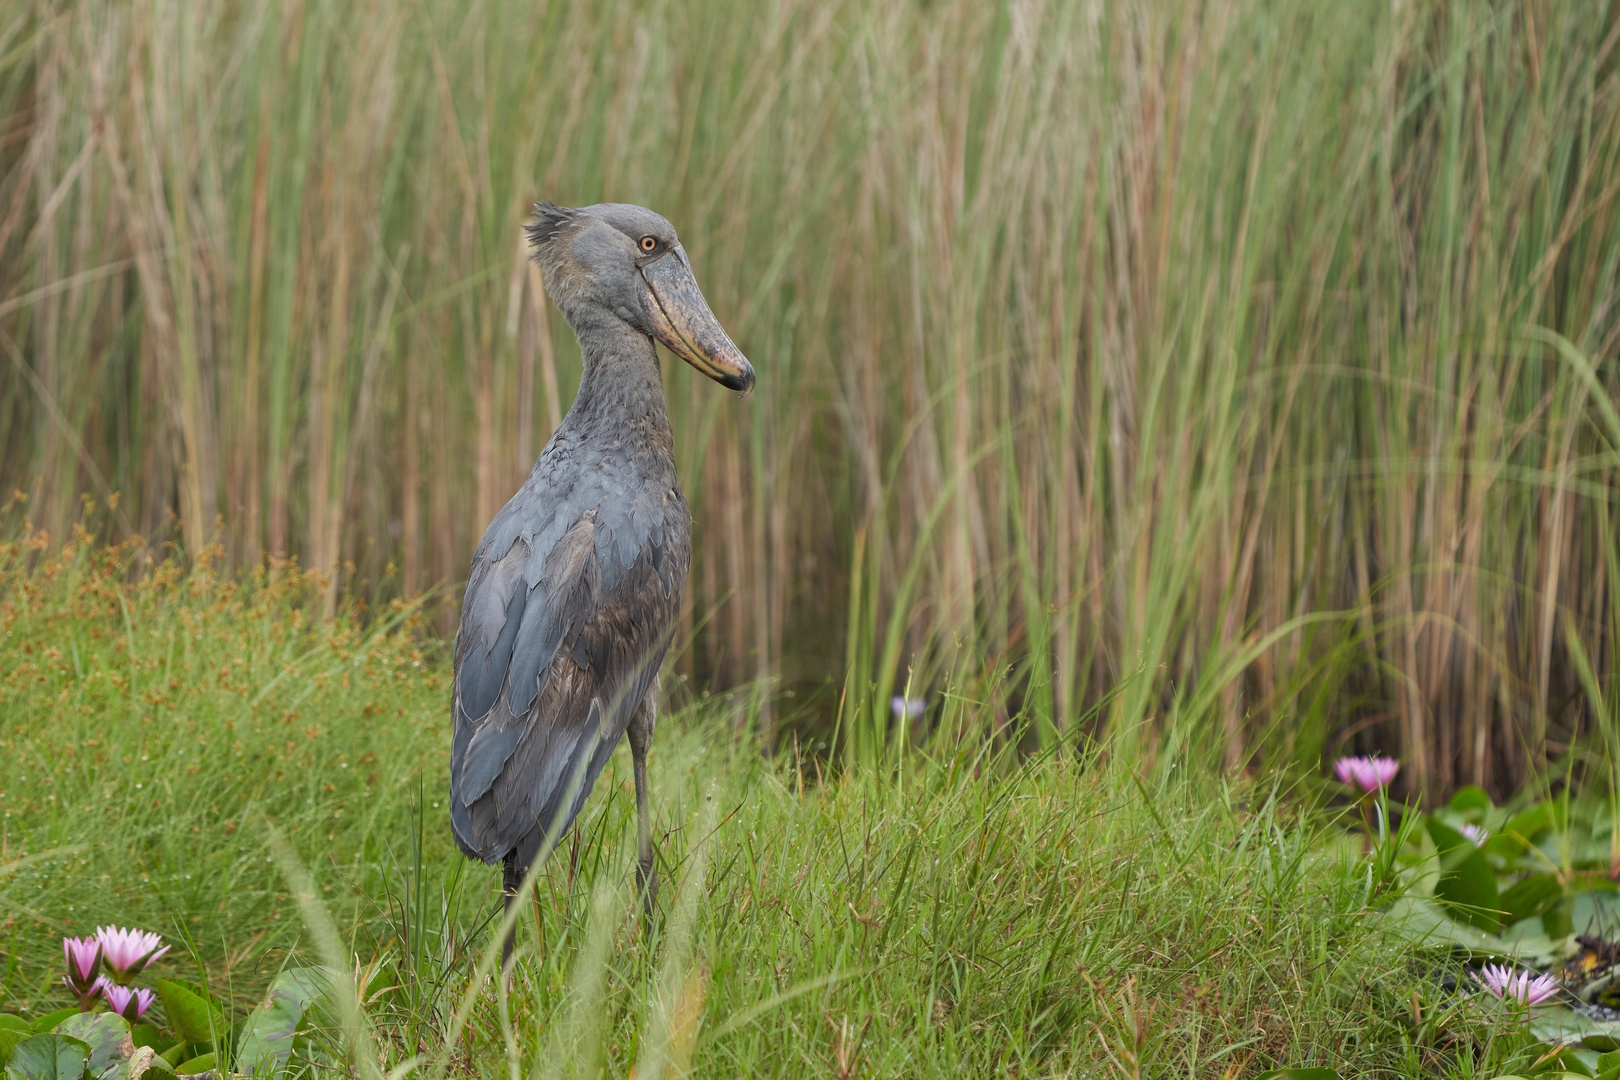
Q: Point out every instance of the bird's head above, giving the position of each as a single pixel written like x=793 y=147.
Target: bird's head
x=625 y=262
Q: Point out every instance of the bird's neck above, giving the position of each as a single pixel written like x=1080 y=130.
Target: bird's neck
x=620 y=387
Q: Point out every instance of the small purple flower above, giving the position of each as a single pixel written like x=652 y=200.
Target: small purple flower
x=127 y=952
x=1476 y=835
x=126 y=1002
x=1517 y=986
x=83 y=962
x=1367 y=773
x=905 y=708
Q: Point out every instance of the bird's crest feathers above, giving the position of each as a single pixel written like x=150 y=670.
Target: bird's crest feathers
x=550 y=220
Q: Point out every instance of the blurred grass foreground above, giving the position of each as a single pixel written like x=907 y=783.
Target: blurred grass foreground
x=1255 y=360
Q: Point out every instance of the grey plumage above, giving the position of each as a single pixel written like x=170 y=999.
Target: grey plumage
x=568 y=607
x=578 y=580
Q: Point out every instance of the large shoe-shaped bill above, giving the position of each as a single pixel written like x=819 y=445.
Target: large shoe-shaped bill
x=681 y=319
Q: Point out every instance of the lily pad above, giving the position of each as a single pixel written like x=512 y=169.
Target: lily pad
x=1560 y=1025
x=1596 y=912
x=48 y=1057
x=104 y=1033
x=48 y=1022
x=266 y=1044
x=1527 y=942
x=10 y=1035
x=1423 y=922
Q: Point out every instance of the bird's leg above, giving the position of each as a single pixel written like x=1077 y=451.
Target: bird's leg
x=511 y=879
x=640 y=732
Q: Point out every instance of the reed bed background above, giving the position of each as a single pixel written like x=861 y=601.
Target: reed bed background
x=1236 y=377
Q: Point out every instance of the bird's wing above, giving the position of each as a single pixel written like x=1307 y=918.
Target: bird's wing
x=557 y=645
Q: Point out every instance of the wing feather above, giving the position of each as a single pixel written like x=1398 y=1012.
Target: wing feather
x=573 y=632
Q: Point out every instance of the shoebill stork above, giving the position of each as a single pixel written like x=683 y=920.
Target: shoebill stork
x=575 y=587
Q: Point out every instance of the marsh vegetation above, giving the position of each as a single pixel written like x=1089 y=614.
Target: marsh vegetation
x=1264 y=350
x=1170 y=398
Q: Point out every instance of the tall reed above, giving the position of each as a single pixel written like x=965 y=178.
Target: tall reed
x=1256 y=361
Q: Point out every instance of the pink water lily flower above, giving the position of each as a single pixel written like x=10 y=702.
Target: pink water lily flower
x=1367 y=773
x=83 y=962
x=127 y=952
x=1476 y=835
x=905 y=708
x=125 y=1001
x=87 y=998
x=1520 y=987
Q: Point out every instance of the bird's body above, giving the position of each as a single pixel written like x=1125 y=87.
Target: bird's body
x=569 y=604
x=574 y=590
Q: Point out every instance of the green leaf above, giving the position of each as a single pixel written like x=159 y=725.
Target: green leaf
x=9 y=1038
x=1556 y=1024
x=1530 y=897
x=1467 y=883
x=1559 y=920
x=13 y=1030
x=158 y=1065
x=1527 y=944
x=1592 y=910
x=147 y=1035
x=1470 y=798
x=104 y=1033
x=48 y=1022
x=182 y=1051
x=1298 y=1074
x=1422 y=923
x=1568 y=1062
x=192 y=1016
x=195 y=1065
x=1530 y=824
x=267 y=1036
x=48 y=1057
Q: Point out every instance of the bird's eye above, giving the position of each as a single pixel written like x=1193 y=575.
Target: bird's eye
x=649 y=243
